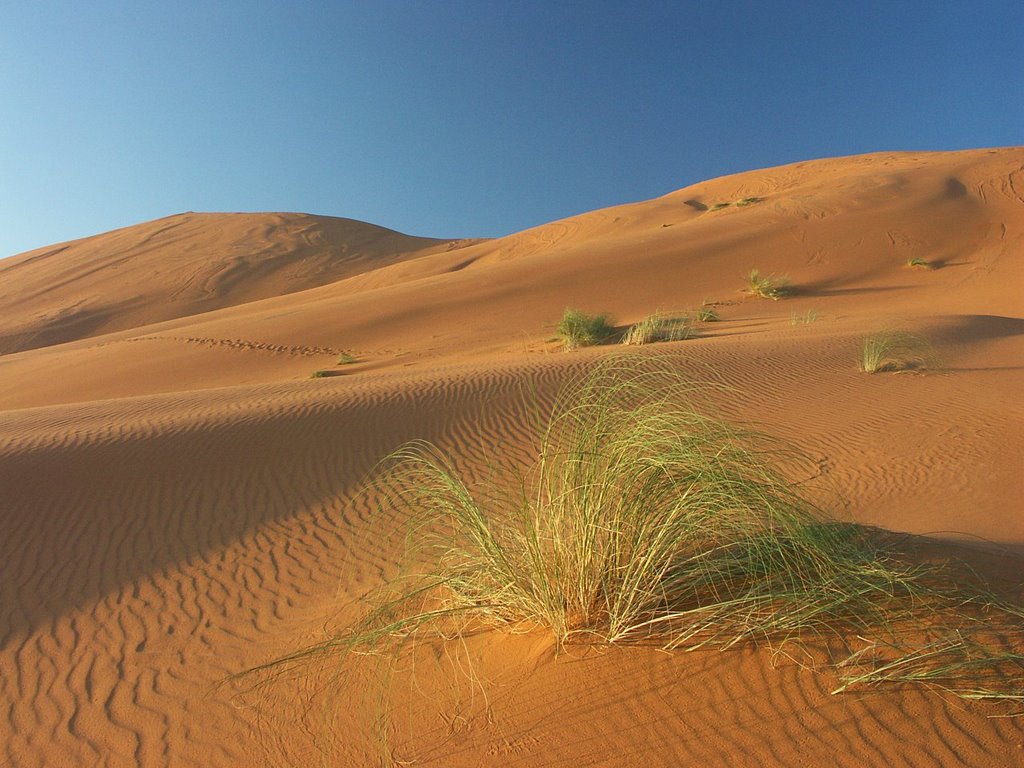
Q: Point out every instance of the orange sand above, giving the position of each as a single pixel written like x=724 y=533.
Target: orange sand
x=178 y=498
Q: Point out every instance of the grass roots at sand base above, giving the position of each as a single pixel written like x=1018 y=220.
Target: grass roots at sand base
x=658 y=327
x=767 y=286
x=643 y=520
x=893 y=350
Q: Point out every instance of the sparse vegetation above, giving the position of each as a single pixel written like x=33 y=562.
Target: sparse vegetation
x=767 y=286
x=920 y=263
x=644 y=520
x=893 y=350
x=658 y=327
x=321 y=374
x=738 y=203
x=346 y=358
x=579 y=330
x=707 y=314
x=805 y=319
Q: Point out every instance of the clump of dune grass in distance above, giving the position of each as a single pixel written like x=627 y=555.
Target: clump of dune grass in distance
x=346 y=358
x=576 y=329
x=894 y=350
x=658 y=327
x=920 y=263
x=322 y=374
x=742 y=203
x=707 y=314
x=767 y=286
x=644 y=520
x=807 y=318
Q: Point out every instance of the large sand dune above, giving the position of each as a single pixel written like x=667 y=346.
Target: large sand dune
x=180 y=501
x=183 y=265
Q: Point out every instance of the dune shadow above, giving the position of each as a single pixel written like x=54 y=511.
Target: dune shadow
x=95 y=517
x=975 y=560
x=989 y=369
x=955 y=188
x=78 y=325
x=968 y=329
x=823 y=289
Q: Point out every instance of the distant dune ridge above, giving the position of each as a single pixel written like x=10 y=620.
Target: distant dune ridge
x=179 y=500
x=183 y=265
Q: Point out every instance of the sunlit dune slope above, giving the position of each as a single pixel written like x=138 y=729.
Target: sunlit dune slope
x=843 y=230
x=183 y=265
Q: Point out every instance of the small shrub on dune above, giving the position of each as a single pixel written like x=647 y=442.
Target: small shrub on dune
x=655 y=328
x=579 y=330
x=807 y=318
x=707 y=314
x=920 y=263
x=767 y=286
x=642 y=520
x=321 y=374
x=895 y=351
x=346 y=358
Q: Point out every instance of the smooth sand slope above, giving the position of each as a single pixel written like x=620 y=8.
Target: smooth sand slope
x=183 y=265
x=180 y=501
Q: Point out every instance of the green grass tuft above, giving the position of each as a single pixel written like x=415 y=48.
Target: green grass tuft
x=748 y=201
x=321 y=374
x=767 y=286
x=643 y=520
x=707 y=314
x=346 y=358
x=640 y=520
x=658 y=327
x=807 y=318
x=893 y=350
x=920 y=263
x=579 y=330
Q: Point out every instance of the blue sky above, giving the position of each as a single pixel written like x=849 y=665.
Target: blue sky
x=460 y=119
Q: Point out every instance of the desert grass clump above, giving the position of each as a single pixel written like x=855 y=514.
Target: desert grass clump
x=807 y=318
x=707 y=314
x=579 y=330
x=658 y=327
x=346 y=358
x=644 y=520
x=640 y=520
x=748 y=201
x=893 y=350
x=767 y=286
x=920 y=263
x=321 y=374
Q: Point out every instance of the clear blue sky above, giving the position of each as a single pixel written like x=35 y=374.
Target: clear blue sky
x=471 y=118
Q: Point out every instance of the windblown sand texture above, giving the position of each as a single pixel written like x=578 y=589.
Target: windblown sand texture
x=179 y=500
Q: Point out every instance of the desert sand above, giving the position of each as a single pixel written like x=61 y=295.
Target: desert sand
x=181 y=501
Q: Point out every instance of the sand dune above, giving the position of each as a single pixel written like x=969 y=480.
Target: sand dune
x=183 y=265
x=180 y=501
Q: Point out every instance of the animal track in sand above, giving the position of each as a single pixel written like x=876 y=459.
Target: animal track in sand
x=244 y=344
